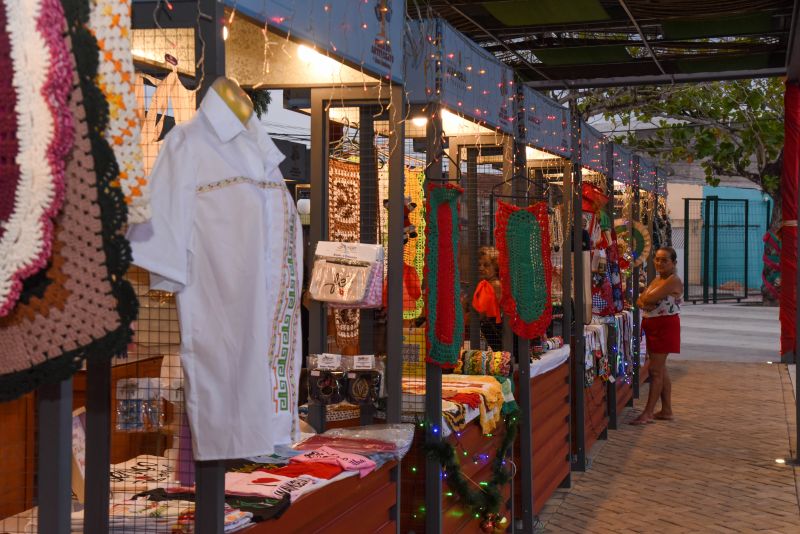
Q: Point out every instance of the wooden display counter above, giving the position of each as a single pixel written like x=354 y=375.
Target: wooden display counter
x=456 y=518
x=620 y=395
x=550 y=413
x=350 y=505
x=595 y=412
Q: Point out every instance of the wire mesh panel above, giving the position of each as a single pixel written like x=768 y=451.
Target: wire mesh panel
x=715 y=242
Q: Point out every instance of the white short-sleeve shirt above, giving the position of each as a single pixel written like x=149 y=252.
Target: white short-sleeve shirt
x=226 y=237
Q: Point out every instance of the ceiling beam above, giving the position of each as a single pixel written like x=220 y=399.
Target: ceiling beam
x=498 y=40
x=641 y=34
x=793 y=46
x=657 y=79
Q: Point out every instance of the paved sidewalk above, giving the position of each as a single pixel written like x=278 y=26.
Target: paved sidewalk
x=729 y=332
x=711 y=470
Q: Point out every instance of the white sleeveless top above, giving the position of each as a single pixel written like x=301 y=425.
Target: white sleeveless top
x=670 y=305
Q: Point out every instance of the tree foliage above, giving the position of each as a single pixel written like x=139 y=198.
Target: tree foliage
x=732 y=128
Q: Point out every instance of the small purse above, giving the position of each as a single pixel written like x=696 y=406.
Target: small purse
x=339 y=283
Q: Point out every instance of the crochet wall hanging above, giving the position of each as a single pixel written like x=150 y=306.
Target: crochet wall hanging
x=414 y=249
x=445 y=325
x=37 y=135
x=110 y=23
x=344 y=212
x=635 y=249
x=522 y=236
x=79 y=307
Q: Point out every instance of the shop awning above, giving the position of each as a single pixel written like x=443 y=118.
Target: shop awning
x=591 y=43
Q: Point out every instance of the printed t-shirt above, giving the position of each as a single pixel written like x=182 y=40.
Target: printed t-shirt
x=347 y=461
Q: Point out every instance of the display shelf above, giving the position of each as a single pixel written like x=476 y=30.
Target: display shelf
x=596 y=412
x=350 y=505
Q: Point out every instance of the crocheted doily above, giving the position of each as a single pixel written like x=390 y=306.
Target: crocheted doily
x=79 y=307
x=344 y=217
x=523 y=241
x=40 y=79
x=445 y=324
x=110 y=22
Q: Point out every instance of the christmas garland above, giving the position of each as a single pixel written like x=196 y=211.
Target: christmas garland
x=523 y=242
x=445 y=325
x=484 y=502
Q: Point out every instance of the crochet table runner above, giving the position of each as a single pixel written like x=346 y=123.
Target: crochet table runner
x=445 y=325
x=41 y=123
x=79 y=307
x=523 y=242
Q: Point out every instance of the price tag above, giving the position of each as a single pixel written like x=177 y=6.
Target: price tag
x=329 y=361
x=611 y=379
x=364 y=361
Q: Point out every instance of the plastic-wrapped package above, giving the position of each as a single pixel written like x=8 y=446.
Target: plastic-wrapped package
x=348 y=275
x=391 y=438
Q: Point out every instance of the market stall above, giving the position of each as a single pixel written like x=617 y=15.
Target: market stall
x=163 y=442
x=456 y=376
x=547 y=138
x=592 y=355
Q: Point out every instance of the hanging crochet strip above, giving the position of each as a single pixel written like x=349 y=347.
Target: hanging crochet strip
x=445 y=325
x=523 y=242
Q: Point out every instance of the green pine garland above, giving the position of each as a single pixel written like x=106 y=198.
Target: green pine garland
x=486 y=501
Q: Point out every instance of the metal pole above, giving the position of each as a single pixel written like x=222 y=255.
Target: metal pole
x=636 y=179
x=686 y=275
x=566 y=298
x=611 y=386
x=55 y=458
x=368 y=223
x=433 y=373
x=317 y=317
x=210 y=513
x=579 y=454
x=746 y=247
x=519 y=187
x=394 y=314
x=716 y=248
x=706 y=248
x=471 y=192
x=98 y=445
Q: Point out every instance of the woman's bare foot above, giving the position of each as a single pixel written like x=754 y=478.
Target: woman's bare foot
x=642 y=419
x=661 y=416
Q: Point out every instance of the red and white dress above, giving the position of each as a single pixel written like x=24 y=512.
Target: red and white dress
x=662 y=326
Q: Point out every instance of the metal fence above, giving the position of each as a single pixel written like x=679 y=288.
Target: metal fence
x=718 y=244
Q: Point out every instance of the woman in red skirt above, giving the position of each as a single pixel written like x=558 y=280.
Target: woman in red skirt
x=661 y=306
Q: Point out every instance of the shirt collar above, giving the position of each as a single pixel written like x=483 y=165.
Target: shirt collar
x=221 y=118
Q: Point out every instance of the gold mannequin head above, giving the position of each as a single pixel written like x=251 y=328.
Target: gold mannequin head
x=235 y=97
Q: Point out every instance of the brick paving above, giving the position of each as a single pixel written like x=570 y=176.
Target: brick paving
x=711 y=470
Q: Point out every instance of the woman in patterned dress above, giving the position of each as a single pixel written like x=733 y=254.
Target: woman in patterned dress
x=661 y=306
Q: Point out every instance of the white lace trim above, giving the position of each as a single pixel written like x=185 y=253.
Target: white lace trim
x=23 y=242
